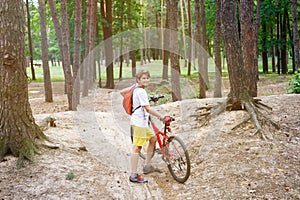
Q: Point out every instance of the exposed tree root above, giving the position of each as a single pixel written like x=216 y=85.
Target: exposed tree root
x=242 y=123
x=27 y=151
x=253 y=114
x=260 y=120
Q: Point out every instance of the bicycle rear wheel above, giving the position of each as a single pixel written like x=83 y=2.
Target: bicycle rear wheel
x=178 y=159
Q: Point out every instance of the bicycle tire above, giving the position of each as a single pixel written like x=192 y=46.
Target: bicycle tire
x=178 y=159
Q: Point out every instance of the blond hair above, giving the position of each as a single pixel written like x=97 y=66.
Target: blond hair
x=141 y=73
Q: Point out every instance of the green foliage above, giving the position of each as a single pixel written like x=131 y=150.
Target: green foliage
x=294 y=84
x=157 y=90
x=70 y=176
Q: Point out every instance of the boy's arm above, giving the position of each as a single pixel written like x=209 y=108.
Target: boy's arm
x=153 y=112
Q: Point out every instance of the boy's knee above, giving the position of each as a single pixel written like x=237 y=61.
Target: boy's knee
x=136 y=149
x=153 y=139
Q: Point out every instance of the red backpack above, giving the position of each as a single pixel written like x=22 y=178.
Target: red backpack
x=127 y=101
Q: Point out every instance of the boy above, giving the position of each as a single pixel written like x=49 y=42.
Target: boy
x=139 y=124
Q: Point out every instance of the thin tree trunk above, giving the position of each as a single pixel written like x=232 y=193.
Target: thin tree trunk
x=44 y=41
x=295 y=34
x=190 y=37
x=183 y=33
x=121 y=45
x=106 y=12
x=284 y=46
x=273 y=50
x=166 y=52
x=30 y=42
x=175 y=72
x=202 y=85
x=87 y=61
x=132 y=53
x=63 y=46
x=217 y=50
x=205 y=54
x=77 y=52
x=277 y=46
x=92 y=63
x=66 y=49
x=290 y=34
x=264 y=47
x=257 y=26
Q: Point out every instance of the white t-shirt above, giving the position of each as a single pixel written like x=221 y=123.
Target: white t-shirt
x=140 y=116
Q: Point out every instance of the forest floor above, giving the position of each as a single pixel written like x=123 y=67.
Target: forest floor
x=91 y=149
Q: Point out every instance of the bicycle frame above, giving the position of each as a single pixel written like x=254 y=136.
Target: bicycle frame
x=162 y=141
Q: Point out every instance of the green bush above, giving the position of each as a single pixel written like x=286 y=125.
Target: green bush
x=294 y=85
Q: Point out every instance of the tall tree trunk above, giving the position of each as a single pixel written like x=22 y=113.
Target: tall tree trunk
x=202 y=85
x=66 y=50
x=87 y=62
x=18 y=130
x=295 y=34
x=217 y=50
x=237 y=74
x=132 y=53
x=204 y=44
x=264 y=47
x=183 y=33
x=290 y=34
x=62 y=34
x=106 y=12
x=283 y=51
x=77 y=53
x=246 y=10
x=121 y=42
x=44 y=40
x=175 y=72
x=93 y=26
x=277 y=46
x=190 y=37
x=273 y=50
x=30 y=42
x=257 y=26
x=166 y=47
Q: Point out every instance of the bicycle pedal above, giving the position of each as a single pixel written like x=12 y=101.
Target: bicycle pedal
x=158 y=151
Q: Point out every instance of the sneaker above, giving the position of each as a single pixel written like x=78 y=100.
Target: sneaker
x=149 y=169
x=136 y=178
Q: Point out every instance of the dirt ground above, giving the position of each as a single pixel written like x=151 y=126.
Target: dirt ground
x=89 y=158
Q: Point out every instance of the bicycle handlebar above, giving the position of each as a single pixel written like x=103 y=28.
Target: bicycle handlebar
x=156 y=98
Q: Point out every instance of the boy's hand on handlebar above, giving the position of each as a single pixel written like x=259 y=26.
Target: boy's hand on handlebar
x=168 y=119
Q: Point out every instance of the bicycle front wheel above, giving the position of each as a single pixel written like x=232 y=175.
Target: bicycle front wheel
x=178 y=159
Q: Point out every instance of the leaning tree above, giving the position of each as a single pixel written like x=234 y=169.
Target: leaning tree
x=18 y=130
x=240 y=94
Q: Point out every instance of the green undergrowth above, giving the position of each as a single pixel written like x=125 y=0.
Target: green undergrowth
x=294 y=84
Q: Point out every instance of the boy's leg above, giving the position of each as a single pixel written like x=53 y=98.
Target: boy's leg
x=135 y=177
x=134 y=159
x=150 y=150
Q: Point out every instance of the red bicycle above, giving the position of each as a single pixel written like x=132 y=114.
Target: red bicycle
x=172 y=149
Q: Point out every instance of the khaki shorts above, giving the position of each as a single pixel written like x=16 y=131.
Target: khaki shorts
x=141 y=135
